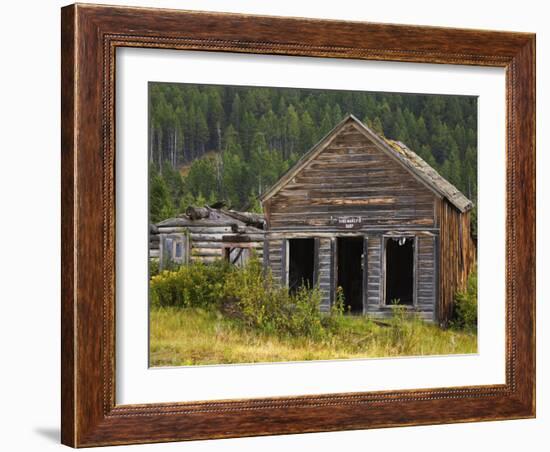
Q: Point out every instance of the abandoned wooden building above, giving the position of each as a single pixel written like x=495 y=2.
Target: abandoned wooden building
x=206 y=234
x=367 y=214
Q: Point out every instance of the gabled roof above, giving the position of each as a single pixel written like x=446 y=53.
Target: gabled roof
x=409 y=160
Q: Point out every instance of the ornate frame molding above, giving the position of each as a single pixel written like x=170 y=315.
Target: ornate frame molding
x=90 y=37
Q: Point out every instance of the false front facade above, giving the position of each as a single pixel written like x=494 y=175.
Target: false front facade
x=366 y=214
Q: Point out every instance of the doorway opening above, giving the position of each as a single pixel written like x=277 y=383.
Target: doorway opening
x=400 y=271
x=350 y=271
x=300 y=263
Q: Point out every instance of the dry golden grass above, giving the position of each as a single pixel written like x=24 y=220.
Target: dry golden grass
x=197 y=337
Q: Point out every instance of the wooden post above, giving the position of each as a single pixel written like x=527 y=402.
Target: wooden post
x=333 y=270
x=316 y=245
x=284 y=262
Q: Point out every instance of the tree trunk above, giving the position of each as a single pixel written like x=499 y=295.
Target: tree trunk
x=151 y=141
x=219 y=132
x=159 y=149
x=174 y=162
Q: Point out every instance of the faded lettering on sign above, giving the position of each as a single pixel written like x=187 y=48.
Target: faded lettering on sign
x=347 y=222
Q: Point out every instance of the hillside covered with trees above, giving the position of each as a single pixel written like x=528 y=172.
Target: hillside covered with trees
x=225 y=143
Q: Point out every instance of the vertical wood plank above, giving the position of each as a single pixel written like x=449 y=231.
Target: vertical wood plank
x=284 y=262
x=333 y=270
x=365 y=273
x=316 y=261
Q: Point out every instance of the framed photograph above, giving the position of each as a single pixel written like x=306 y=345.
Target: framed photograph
x=281 y=225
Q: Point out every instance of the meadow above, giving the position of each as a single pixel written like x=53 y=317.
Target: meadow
x=219 y=314
x=197 y=336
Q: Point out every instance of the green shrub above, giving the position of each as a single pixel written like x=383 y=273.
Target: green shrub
x=153 y=267
x=193 y=285
x=251 y=297
x=305 y=317
x=334 y=322
x=403 y=336
x=465 y=307
x=265 y=306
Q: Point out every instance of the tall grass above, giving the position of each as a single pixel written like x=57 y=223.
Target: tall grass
x=198 y=336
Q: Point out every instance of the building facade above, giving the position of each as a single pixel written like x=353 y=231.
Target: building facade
x=366 y=214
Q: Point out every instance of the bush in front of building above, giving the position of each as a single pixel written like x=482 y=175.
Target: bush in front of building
x=264 y=305
x=335 y=321
x=465 y=308
x=249 y=296
x=153 y=268
x=192 y=285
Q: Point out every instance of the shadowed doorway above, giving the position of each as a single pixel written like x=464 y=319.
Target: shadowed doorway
x=399 y=270
x=301 y=263
x=350 y=271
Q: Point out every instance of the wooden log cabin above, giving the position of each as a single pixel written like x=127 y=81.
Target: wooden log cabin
x=367 y=214
x=205 y=234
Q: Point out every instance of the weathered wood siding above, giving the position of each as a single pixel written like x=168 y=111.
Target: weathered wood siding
x=374 y=274
x=426 y=280
x=457 y=257
x=275 y=258
x=352 y=177
x=324 y=272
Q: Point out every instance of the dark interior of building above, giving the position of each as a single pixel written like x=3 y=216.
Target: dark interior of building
x=350 y=271
x=300 y=264
x=399 y=271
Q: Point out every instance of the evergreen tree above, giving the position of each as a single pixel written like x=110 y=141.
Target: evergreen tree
x=160 y=202
x=201 y=131
x=292 y=130
x=247 y=131
x=326 y=121
x=202 y=177
x=307 y=132
x=215 y=118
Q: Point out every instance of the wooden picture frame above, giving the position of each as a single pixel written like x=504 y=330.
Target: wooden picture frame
x=90 y=36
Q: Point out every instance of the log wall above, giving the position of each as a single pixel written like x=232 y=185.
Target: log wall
x=207 y=244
